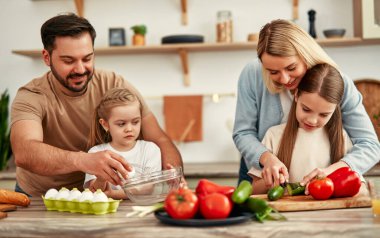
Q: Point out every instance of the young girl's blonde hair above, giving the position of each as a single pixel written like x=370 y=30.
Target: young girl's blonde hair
x=113 y=98
x=284 y=38
x=328 y=83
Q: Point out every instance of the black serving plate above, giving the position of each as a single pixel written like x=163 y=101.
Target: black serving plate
x=234 y=218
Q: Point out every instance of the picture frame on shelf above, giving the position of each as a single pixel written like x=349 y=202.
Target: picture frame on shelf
x=117 y=37
x=367 y=19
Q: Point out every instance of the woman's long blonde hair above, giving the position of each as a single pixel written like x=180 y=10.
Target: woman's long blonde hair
x=113 y=98
x=284 y=38
x=328 y=83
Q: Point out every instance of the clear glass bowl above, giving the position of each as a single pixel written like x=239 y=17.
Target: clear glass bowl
x=150 y=188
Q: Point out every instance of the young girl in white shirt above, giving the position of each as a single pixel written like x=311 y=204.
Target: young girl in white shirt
x=313 y=141
x=116 y=127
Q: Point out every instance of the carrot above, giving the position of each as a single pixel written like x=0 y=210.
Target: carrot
x=15 y=198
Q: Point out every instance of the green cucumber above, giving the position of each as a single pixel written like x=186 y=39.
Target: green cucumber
x=242 y=192
x=275 y=193
x=257 y=205
x=295 y=189
x=262 y=210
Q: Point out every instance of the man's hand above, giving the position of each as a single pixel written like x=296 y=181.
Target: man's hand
x=152 y=131
x=105 y=165
x=183 y=183
x=274 y=171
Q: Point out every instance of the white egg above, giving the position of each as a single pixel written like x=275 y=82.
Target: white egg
x=99 y=196
x=63 y=193
x=51 y=193
x=86 y=195
x=75 y=194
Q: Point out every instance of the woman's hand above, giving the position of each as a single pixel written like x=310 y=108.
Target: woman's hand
x=274 y=171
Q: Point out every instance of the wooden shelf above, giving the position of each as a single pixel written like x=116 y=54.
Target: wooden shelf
x=148 y=49
x=183 y=49
x=200 y=47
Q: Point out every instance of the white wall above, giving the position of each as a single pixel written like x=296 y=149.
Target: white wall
x=159 y=74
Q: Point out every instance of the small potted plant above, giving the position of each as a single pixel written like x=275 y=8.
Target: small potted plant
x=5 y=148
x=139 y=34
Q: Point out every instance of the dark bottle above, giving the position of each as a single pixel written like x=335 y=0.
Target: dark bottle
x=312 y=31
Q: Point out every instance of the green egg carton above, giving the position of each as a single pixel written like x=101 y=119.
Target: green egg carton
x=86 y=207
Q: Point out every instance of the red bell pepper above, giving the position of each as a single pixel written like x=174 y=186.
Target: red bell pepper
x=346 y=182
x=205 y=187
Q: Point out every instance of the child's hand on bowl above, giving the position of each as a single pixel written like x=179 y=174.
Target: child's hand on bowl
x=98 y=183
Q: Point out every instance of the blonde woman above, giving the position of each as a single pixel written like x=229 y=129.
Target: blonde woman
x=265 y=93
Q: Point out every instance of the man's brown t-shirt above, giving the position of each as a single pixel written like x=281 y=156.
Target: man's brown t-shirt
x=65 y=120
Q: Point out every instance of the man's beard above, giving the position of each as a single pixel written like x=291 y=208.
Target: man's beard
x=65 y=82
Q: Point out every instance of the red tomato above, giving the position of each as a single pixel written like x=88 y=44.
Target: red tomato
x=181 y=204
x=321 y=188
x=215 y=206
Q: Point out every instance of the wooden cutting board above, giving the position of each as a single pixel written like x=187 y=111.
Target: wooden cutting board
x=308 y=203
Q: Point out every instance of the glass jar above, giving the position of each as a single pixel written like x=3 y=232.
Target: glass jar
x=224 y=29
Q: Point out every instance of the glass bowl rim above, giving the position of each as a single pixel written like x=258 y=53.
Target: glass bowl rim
x=163 y=175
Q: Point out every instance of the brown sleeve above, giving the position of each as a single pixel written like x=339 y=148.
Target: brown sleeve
x=27 y=105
